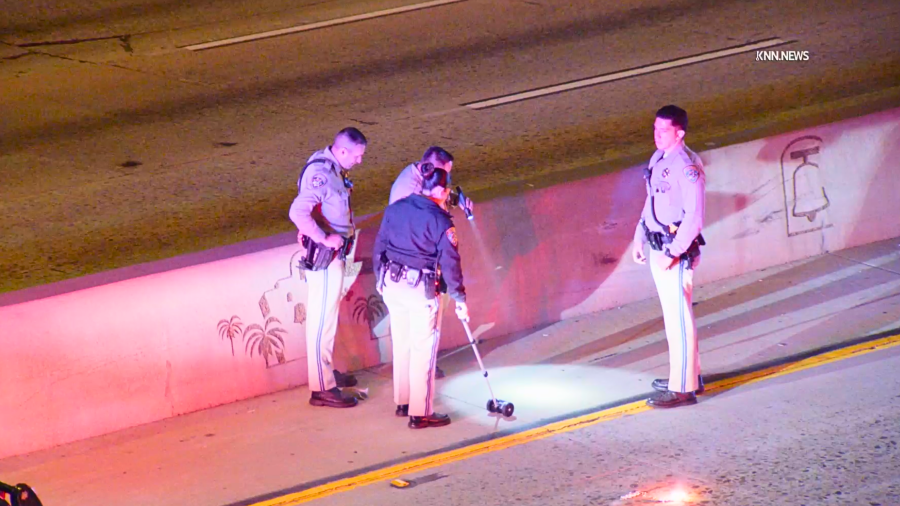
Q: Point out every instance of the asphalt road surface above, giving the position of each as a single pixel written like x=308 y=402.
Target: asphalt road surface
x=119 y=144
x=824 y=436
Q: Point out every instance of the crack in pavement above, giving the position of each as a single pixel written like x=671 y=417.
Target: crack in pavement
x=65 y=42
x=126 y=46
x=863 y=263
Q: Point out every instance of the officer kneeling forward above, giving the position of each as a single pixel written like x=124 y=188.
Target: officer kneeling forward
x=415 y=249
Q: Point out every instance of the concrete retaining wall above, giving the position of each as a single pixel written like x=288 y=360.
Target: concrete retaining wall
x=158 y=342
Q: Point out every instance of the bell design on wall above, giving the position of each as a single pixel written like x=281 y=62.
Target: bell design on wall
x=805 y=198
x=809 y=195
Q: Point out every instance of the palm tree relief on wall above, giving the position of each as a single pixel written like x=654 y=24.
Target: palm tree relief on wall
x=368 y=310
x=231 y=330
x=281 y=337
x=805 y=198
x=266 y=340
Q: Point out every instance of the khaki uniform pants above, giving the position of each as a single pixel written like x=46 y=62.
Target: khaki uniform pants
x=322 y=303
x=415 y=345
x=675 y=287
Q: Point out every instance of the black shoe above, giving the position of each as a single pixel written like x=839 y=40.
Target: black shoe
x=662 y=385
x=672 y=399
x=432 y=420
x=332 y=398
x=344 y=380
x=402 y=410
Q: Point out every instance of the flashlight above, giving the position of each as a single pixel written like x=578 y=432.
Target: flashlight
x=462 y=200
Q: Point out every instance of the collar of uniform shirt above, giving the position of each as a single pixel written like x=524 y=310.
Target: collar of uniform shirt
x=673 y=149
x=330 y=156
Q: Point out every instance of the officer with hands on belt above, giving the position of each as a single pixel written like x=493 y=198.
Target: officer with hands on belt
x=670 y=223
x=324 y=219
x=416 y=246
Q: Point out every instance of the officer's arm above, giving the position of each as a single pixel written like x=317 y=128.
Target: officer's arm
x=302 y=208
x=451 y=264
x=693 y=197
x=639 y=236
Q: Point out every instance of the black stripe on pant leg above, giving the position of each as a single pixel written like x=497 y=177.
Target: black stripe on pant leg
x=431 y=365
x=319 y=336
x=681 y=302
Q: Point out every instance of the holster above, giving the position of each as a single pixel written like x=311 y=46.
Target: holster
x=658 y=240
x=319 y=257
x=20 y=495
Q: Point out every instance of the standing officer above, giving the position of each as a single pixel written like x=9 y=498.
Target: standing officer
x=409 y=182
x=416 y=245
x=671 y=222
x=323 y=215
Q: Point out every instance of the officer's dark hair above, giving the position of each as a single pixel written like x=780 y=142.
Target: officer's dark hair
x=437 y=154
x=675 y=114
x=353 y=135
x=432 y=177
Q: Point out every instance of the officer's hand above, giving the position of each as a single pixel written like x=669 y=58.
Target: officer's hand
x=637 y=253
x=665 y=263
x=462 y=311
x=333 y=241
x=468 y=204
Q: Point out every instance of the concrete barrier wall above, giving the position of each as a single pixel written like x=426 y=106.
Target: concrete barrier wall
x=154 y=345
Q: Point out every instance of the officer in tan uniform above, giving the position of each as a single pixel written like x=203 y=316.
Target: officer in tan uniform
x=409 y=182
x=416 y=245
x=670 y=224
x=323 y=215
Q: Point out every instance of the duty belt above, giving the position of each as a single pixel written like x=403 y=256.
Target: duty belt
x=658 y=240
x=399 y=273
x=318 y=256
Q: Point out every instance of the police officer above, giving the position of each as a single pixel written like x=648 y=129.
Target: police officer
x=671 y=223
x=409 y=182
x=322 y=213
x=415 y=245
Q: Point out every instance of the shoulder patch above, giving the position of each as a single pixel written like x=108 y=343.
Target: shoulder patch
x=451 y=236
x=317 y=181
x=692 y=173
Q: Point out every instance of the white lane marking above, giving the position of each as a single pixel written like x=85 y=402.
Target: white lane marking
x=647 y=69
x=320 y=24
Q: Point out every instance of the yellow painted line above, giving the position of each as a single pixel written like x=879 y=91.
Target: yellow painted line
x=808 y=363
x=414 y=466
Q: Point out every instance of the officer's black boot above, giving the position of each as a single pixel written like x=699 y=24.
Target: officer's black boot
x=344 y=380
x=662 y=385
x=671 y=399
x=332 y=398
x=432 y=420
x=402 y=410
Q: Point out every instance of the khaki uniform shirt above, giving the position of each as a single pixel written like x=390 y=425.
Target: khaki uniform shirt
x=409 y=182
x=677 y=186
x=322 y=206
